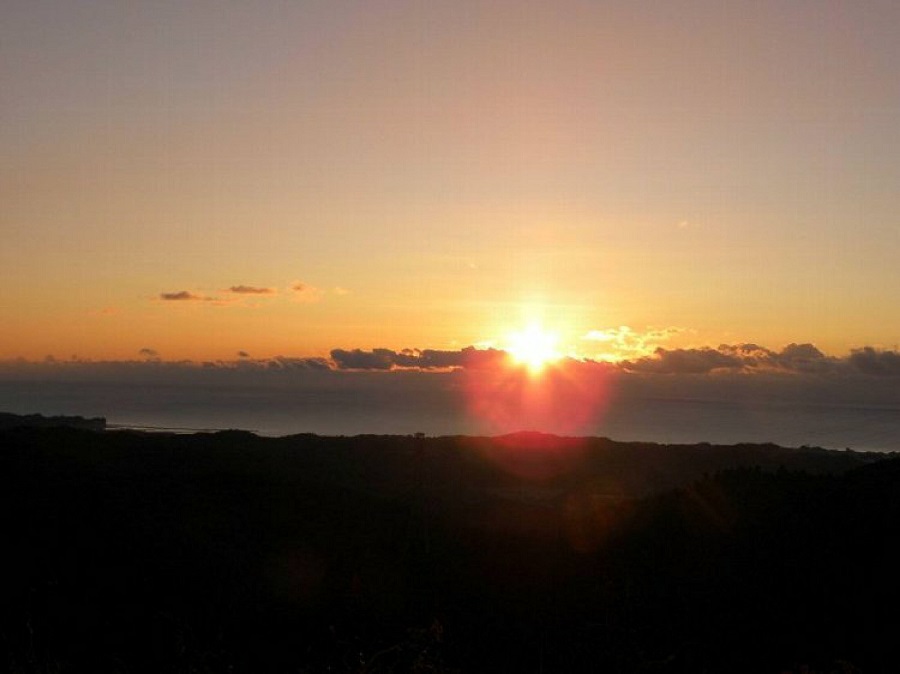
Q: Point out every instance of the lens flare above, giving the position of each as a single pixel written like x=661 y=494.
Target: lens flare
x=565 y=397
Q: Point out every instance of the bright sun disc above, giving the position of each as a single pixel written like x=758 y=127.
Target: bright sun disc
x=533 y=348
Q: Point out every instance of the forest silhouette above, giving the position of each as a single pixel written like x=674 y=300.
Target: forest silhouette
x=228 y=552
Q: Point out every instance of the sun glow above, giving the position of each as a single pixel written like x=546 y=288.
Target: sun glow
x=533 y=347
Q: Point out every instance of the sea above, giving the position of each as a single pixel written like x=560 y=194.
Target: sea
x=369 y=406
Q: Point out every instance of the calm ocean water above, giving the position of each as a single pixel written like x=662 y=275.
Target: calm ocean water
x=336 y=410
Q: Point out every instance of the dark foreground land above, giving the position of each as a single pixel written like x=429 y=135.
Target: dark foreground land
x=226 y=552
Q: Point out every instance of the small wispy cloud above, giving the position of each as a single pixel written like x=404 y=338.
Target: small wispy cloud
x=303 y=292
x=251 y=290
x=183 y=296
x=188 y=296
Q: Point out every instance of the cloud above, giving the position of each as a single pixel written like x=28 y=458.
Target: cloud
x=244 y=363
x=478 y=359
x=287 y=363
x=188 y=296
x=804 y=358
x=624 y=342
x=739 y=360
x=801 y=352
x=357 y=359
x=252 y=290
x=180 y=295
x=432 y=358
x=871 y=361
x=682 y=361
x=422 y=359
x=794 y=358
x=304 y=292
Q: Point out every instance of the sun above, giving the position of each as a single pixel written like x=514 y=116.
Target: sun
x=533 y=347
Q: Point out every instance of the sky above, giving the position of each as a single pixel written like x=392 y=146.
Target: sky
x=221 y=181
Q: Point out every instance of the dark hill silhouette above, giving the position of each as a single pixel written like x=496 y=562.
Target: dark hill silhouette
x=227 y=552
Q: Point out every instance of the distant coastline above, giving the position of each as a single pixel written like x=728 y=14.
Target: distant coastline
x=663 y=422
x=165 y=429
x=10 y=420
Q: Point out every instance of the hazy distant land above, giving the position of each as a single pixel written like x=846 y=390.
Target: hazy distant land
x=229 y=552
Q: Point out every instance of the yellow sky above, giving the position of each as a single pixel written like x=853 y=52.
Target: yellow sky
x=438 y=173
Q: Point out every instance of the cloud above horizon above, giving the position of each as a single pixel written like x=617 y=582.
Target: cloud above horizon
x=726 y=359
x=303 y=292
x=421 y=359
x=748 y=358
x=149 y=354
x=242 y=294
x=252 y=290
x=183 y=296
x=874 y=362
x=614 y=344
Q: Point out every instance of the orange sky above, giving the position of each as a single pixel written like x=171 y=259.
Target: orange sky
x=439 y=174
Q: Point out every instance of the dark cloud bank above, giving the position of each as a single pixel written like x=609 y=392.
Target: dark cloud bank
x=427 y=359
x=727 y=358
x=731 y=393
x=722 y=361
